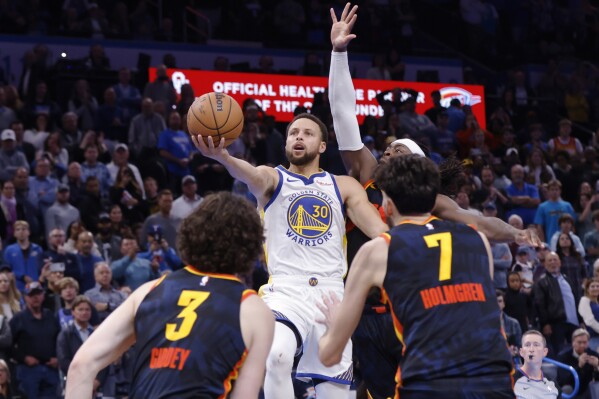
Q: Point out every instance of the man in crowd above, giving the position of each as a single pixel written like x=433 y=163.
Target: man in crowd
x=549 y=212
x=87 y=260
x=584 y=360
x=188 y=201
x=107 y=241
x=524 y=198
x=104 y=297
x=62 y=213
x=57 y=254
x=162 y=218
x=24 y=256
x=132 y=270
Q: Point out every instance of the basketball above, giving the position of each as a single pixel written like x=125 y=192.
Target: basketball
x=217 y=115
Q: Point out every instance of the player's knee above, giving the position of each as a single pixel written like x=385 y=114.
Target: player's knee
x=280 y=358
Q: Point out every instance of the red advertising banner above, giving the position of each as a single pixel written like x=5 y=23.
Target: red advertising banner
x=279 y=95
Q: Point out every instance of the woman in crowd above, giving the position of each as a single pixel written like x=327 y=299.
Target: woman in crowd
x=56 y=154
x=588 y=308
x=10 y=212
x=517 y=304
x=127 y=193
x=573 y=265
x=39 y=133
x=6 y=389
x=73 y=232
x=536 y=170
x=10 y=297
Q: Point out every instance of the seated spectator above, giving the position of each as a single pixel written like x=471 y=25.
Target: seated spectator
x=120 y=158
x=42 y=187
x=144 y=131
x=517 y=304
x=536 y=140
x=413 y=123
x=69 y=289
x=564 y=141
x=58 y=253
x=588 y=309
x=39 y=133
x=62 y=213
x=56 y=154
x=41 y=103
x=84 y=104
x=525 y=268
x=159 y=251
x=34 y=332
x=86 y=259
x=188 y=201
x=73 y=180
x=573 y=264
x=10 y=297
x=163 y=218
x=50 y=276
x=132 y=270
x=91 y=137
x=24 y=257
x=109 y=118
x=175 y=149
x=116 y=220
x=591 y=240
x=151 y=189
x=524 y=198
x=7 y=115
x=91 y=167
x=11 y=210
x=583 y=359
x=7 y=389
x=71 y=135
x=97 y=59
x=73 y=231
x=187 y=98
x=107 y=240
x=91 y=204
x=161 y=89
x=566 y=225
x=537 y=171
x=104 y=297
x=10 y=158
x=510 y=326
x=128 y=97
x=26 y=148
x=128 y=194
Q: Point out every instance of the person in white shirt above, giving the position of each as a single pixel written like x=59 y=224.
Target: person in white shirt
x=120 y=158
x=188 y=201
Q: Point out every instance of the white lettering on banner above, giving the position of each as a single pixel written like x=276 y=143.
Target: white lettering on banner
x=372 y=94
x=251 y=89
x=299 y=91
x=359 y=94
x=179 y=79
x=369 y=109
x=285 y=106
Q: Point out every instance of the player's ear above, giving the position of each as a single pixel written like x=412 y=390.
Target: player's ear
x=545 y=351
x=323 y=147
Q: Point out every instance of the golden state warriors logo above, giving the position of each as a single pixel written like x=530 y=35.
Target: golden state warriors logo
x=309 y=218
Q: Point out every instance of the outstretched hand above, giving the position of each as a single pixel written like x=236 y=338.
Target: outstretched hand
x=341 y=30
x=210 y=150
x=329 y=309
x=528 y=237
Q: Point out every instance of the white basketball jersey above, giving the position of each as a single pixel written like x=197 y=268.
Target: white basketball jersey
x=305 y=226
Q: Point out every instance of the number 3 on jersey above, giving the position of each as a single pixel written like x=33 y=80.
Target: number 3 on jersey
x=190 y=300
x=443 y=240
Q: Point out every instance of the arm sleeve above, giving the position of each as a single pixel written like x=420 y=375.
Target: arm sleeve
x=342 y=98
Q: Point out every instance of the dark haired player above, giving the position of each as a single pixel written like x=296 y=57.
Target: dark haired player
x=376 y=349
x=197 y=329
x=434 y=275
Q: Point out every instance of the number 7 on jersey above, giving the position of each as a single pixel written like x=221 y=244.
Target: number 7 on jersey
x=443 y=240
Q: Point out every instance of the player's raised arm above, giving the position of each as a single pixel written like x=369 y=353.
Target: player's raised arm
x=257 y=329
x=358 y=160
x=112 y=338
x=359 y=209
x=367 y=270
x=261 y=180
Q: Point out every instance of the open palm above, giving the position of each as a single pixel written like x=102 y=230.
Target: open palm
x=341 y=30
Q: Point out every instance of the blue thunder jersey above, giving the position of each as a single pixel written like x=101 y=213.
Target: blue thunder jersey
x=444 y=306
x=189 y=342
x=355 y=237
x=305 y=226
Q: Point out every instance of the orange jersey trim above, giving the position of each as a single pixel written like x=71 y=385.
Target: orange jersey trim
x=227 y=384
x=157 y=283
x=473 y=227
x=408 y=221
x=386 y=237
x=197 y=272
x=247 y=293
x=368 y=184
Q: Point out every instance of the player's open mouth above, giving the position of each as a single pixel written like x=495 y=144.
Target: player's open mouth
x=298 y=147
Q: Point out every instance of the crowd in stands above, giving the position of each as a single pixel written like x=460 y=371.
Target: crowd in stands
x=95 y=184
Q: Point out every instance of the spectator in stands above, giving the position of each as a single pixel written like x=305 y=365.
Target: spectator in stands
x=488 y=193
x=57 y=253
x=84 y=104
x=104 y=297
x=442 y=139
x=187 y=98
x=120 y=158
x=564 y=141
x=548 y=213
x=128 y=194
x=509 y=325
x=379 y=69
x=34 y=332
x=116 y=219
x=42 y=187
x=107 y=241
x=160 y=252
x=524 y=265
x=457 y=117
x=413 y=123
x=524 y=197
x=144 y=131
x=11 y=210
x=91 y=167
x=502 y=257
x=433 y=112
x=41 y=103
x=7 y=115
x=61 y=214
x=162 y=218
x=10 y=297
x=567 y=175
x=556 y=304
x=584 y=216
x=38 y=133
x=73 y=180
x=536 y=134
x=585 y=361
x=26 y=148
x=132 y=270
x=109 y=118
x=21 y=182
x=50 y=275
x=161 y=89
x=10 y=158
x=517 y=304
x=151 y=189
x=97 y=60
x=537 y=171
x=72 y=337
x=68 y=289
x=573 y=264
x=175 y=150
x=128 y=97
x=56 y=154
x=7 y=389
x=24 y=257
x=566 y=225
x=71 y=134
x=576 y=103
x=188 y=201
x=588 y=307
x=591 y=240
x=86 y=259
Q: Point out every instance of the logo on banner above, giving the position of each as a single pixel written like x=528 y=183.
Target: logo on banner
x=179 y=79
x=465 y=97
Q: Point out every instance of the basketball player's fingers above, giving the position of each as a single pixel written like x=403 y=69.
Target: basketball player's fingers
x=333 y=16
x=351 y=23
x=210 y=143
x=344 y=13
x=352 y=13
x=334 y=299
x=221 y=145
x=324 y=309
x=199 y=142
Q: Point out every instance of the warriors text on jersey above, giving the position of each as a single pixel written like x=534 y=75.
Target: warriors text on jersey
x=444 y=306
x=304 y=223
x=189 y=342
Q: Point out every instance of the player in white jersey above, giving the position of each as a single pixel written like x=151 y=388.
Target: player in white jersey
x=304 y=210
